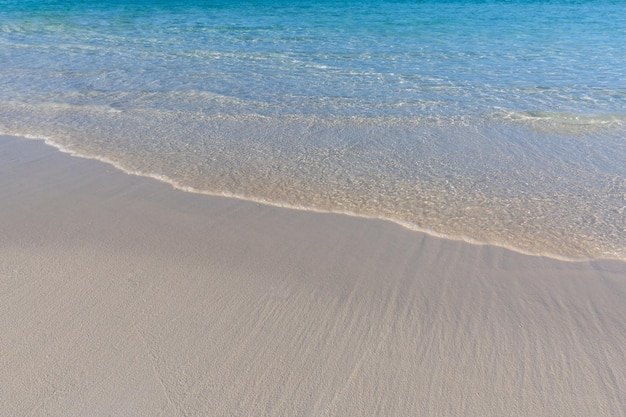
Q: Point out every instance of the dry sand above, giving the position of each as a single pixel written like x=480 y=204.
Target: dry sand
x=120 y=296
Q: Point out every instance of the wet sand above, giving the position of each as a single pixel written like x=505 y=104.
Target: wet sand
x=122 y=296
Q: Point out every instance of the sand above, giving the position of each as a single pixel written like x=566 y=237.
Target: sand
x=120 y=296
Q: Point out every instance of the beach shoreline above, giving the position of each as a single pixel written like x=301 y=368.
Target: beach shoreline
x=123 y=296
x=579 y=257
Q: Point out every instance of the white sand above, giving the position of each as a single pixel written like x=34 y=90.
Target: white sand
x=122 y=297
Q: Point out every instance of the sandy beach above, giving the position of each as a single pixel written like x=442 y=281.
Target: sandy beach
x=120 y=296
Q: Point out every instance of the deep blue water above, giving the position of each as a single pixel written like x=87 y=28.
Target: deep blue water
x=491 y=121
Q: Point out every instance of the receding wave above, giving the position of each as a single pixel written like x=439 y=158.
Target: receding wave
x=480 y=179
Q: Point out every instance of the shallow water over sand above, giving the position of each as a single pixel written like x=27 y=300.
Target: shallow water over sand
x=495 y=123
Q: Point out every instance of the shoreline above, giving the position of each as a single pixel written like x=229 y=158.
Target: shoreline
x=123 y=296
x=407 y=225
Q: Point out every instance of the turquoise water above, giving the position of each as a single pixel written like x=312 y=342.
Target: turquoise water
x=489 y=121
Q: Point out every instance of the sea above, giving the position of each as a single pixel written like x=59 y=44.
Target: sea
x=494 y=122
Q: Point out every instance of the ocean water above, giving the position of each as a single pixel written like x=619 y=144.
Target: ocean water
x=499 y=122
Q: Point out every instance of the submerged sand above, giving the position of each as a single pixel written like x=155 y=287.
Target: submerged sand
x=120 y=296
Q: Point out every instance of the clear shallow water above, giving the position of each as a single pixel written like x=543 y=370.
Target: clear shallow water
x=498 y=122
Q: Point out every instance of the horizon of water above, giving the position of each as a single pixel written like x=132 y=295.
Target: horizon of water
x=487 y=121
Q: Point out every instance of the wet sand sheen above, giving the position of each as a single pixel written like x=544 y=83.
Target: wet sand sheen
x=121 y=296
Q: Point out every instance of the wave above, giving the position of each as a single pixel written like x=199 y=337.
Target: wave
x=405 y=224
x=481 y=179
x=568 y=122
